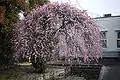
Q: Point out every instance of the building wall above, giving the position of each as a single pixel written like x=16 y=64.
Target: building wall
x=110 y=25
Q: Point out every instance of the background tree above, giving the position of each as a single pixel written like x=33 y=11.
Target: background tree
x=33 y=3
x=12 y=8
x=55 y=30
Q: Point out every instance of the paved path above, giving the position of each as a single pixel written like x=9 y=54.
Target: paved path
x=73 y=78
x=111 y=70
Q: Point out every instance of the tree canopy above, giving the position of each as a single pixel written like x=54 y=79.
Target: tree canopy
x=57 y=30
x=12 y=8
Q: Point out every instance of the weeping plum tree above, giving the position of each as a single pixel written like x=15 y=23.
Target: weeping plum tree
x=55 y=30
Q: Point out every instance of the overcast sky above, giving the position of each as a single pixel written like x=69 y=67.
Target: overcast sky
x=96 y=7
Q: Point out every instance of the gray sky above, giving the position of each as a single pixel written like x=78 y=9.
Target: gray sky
x=96 y=7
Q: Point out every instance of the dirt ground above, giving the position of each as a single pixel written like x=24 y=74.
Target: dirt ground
x=16 y=72
x=25 y=71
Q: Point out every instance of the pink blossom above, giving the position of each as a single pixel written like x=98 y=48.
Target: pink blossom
x=57 y=29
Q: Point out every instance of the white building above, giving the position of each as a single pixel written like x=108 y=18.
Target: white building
x=111 y=30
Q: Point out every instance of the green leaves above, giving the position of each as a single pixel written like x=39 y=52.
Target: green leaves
x=12 y=8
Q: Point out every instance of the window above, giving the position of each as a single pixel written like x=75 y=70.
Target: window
x=104 y=39
x=118 y=43
x=118 y=35
x=103 y=33
x=104 y=43
x=118 y=39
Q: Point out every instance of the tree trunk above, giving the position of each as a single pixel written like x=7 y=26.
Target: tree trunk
x=38 y=63
x=2 y=14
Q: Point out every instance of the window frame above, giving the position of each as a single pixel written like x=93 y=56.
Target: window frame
x=118 y=46
x=117 y=38
x=104 y=39
x=118 y=35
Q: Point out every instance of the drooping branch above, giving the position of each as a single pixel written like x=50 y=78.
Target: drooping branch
x=57 y=29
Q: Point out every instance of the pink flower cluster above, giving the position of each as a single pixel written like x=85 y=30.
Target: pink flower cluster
x=55 y=30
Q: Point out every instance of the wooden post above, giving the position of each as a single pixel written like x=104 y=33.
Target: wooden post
x=2 y=14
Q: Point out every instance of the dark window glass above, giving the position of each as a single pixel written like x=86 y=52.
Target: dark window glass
x=118 y=35
x=118 y=43
x=103 y=34
x=104 y=43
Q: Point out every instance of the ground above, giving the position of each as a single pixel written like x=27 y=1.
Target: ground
x=26 y=72
x=111 y=71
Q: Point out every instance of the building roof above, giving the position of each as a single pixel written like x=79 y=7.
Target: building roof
x=106 y=17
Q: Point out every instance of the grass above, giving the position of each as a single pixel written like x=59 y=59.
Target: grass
x=9 y=75
x=15 y=72
x=24 y=71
